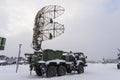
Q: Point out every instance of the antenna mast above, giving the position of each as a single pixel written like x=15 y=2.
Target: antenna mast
x=45 y=28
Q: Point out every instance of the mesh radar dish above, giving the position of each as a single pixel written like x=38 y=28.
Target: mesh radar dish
x=45 y=28
x=51 y=11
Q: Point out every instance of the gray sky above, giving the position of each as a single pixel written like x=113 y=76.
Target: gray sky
x=91 y=26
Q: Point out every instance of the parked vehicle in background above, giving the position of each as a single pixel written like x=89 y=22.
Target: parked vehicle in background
x=118 y=65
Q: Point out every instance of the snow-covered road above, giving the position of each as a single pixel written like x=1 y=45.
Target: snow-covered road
x=92 y=72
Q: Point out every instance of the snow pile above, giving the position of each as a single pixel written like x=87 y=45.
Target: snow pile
x=2 y=61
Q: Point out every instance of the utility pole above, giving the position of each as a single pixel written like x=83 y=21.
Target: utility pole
x=18 y=59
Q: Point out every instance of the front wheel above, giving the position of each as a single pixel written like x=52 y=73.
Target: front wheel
x=80 y=69
x=38 y=72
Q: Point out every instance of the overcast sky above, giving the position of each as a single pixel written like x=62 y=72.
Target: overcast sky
x=91 y=26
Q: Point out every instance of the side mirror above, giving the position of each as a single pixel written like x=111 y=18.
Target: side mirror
x=86 y=57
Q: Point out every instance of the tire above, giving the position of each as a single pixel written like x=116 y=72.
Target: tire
x=61 y=71
x=40 y=69
x=69 y=71
x=80 y=69
x=38 y=72
x=118 y=66
x=51 y=71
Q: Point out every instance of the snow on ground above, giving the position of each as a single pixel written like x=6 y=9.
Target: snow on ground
x=92 y=72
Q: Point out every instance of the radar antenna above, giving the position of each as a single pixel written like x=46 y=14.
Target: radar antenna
x=45 y=28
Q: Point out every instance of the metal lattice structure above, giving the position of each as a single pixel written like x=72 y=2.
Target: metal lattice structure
x=45 y=28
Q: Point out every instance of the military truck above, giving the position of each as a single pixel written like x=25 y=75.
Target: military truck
x=118 y=65
x=56 y=63
x=52 y=62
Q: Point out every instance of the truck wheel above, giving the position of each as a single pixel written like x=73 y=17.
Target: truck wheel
x=38 y=72
x=61 y=70
x=80 y=69
x=69 y=71
x=51 y=71
x=118 y=66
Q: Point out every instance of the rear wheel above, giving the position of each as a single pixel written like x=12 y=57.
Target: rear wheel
x=61 y=70
x=69 y=71
x=51 y=71
x=118 y=66
x=80 y=69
